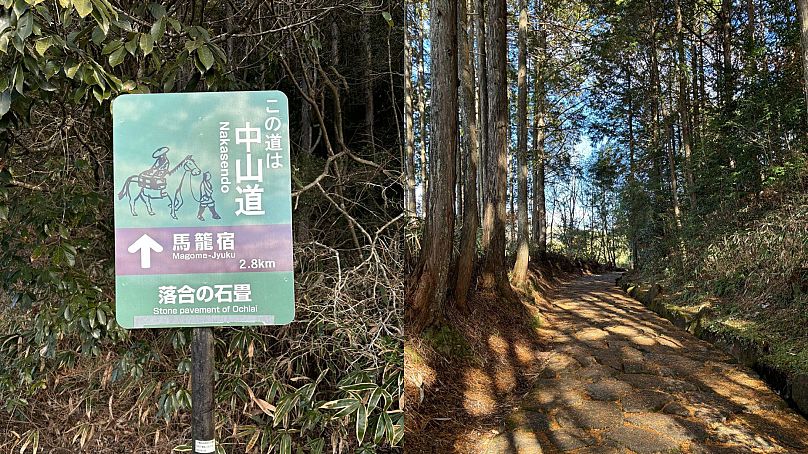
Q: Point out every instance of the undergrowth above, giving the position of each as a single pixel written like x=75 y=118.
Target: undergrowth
x=751 y=276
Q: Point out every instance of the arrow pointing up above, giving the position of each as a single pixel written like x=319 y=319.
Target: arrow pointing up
x=145 y=244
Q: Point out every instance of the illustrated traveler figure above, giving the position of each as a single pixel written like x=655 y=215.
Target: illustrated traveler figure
x=154 y=177
x=161 y=164
x=206 y=198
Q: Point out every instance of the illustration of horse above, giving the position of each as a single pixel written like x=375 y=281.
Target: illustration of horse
x=153 y=186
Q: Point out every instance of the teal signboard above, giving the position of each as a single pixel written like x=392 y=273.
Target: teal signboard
x=203 y=216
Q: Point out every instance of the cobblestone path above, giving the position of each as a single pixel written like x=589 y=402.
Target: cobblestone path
x=620 y=379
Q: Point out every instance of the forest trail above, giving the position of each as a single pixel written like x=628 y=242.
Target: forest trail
x=619 y=378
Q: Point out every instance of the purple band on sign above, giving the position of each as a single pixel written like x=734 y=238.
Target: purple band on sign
x=187 y=250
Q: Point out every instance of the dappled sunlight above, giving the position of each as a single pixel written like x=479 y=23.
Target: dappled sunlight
x=524 y=353
x=505 y=378
x=478 y=400
x=620 y=375
x=497 y=344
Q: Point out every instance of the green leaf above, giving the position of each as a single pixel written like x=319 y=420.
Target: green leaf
x=157 y=29
x=101 y=316
x=146 y=43
x=286 y=444
x=25 y=25
x=386 y=15
x=83 y=7
x=131 y=46
x=70 y=71
x=380 y=430
x=98 y=35
x=111 y=47
x=359 y=387
x=157 y=10
x=65 y=3
x=19 y=79
x=5 y=105
x=3 y=212
x=175 y=24
x=116 y=57
x=361 y=423
x=339 y=403
x=205 y=57
x=43 y=45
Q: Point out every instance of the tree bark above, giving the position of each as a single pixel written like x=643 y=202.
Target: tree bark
x=539 y=157
x=523 y=241
x=430 y=278
x=684 y=107
x=409 y=146
x=802 y=5
x=482 y=97
x=494 y=273
x=421 y=103
x=367 y=51
x=727 y=77
x=471 y=158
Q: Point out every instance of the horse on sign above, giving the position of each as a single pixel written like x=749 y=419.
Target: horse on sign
x=153 y=183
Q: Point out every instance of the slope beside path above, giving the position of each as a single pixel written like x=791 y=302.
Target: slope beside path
x=619 y=378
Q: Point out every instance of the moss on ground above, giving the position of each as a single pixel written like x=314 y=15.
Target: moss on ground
x=448 y=342
x=776 y=332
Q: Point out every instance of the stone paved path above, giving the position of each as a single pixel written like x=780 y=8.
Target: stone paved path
x=621 y=379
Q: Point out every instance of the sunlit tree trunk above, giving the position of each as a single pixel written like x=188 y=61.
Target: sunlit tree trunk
x=539 y=198
x=494 y=273
x=421 y=102
x=482 y=98
x=409 y=146
x=523 y=241
x=431 y=276
x=471 y=158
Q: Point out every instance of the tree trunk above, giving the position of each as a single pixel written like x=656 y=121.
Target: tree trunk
x=523 y=242
x=539 y=120
x=494 y=273
x=430 y=278
x=471 y=158
x=422 y=104
x=368 y=82
x=409 y=146
x=482 y=96
x=802 y=5
x=684 y=107
x=727 y=76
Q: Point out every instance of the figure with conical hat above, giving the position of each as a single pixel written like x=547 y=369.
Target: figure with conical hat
x=161 y=164
x=206 y=198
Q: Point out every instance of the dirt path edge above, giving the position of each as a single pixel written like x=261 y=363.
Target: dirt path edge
x=791 y=387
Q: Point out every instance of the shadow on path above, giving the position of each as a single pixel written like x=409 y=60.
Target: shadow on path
x=619 y=378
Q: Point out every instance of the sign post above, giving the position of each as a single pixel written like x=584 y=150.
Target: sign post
x=203 y=221
x=202 y=367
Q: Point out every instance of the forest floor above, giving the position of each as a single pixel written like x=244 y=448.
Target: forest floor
x=618 y=378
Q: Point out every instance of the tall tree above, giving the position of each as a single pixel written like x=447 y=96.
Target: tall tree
x=523 y=242
x=802 y=5
x=422 y=143
x=409 y=141
x=539 y=123
x=427 y=292
x=684 y=105
x=494 y=272
x=471 y=158
x=482 y=93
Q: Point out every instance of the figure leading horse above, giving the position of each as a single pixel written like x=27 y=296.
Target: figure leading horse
x=152 y=187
